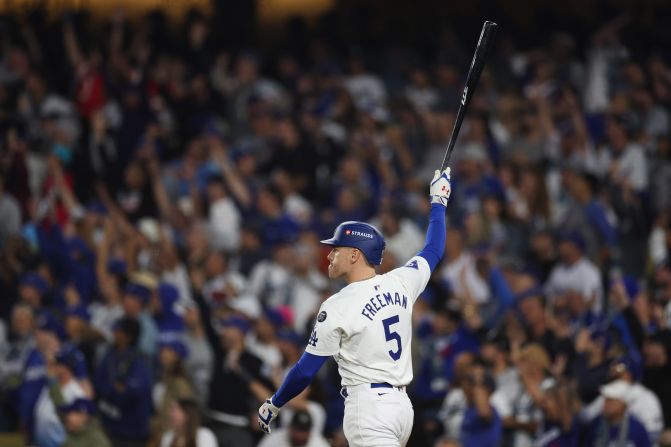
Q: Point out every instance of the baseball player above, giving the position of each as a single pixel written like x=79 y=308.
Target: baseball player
x=367 y=328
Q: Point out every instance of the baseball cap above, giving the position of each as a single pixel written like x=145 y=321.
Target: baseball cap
x=79 y=312
x=237 y=322
x=129 y=326
x=176 y=345
x=117 y=267
x=630 y=364
x=575 y=238
x=301 y=421
x=618 y=390
x=47 y=322
x=274 y=317
x=72 y=359
x=292 y=337
x=34 y=280
x=80 y=405
x=138 y=291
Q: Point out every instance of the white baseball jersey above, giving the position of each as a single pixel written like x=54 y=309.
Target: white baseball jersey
x=367 y=326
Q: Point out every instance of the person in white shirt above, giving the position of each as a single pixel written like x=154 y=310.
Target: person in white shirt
x=495 y=352
x=185 y=429
x=224 y=217
x=66 y=388
x=298 y=434
x=575 y=276
x=403 y=237
x=623 y=161
x=642 y=402
x=459 y=270
x=262 y=341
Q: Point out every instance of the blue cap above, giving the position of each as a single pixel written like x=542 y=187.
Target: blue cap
x=602 y=335
x=34 y=280
x=80 y=404
x=176 y=345
x=138 y=291
x=362 y=236
x=78 y=311
x=237 y=322
x=117 y=267
x=168 y=294
x=291 y=337
x=275 y=318
x=73 y=359
x=575 y=238
x=631 y=364
x=47 y=322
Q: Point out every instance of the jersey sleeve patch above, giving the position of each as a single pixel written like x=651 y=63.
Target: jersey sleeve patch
x=327 y=333
x=413 y=276
x=412 y=264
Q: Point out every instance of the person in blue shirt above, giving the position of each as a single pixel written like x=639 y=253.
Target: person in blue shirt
x=170 y=324
x=615 y=427
x=48 y=337
x=123 y=385
x=136 y=299
x=559 y=427
x=481 y=425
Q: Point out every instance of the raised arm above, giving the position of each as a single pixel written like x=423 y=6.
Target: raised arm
x=435 y=235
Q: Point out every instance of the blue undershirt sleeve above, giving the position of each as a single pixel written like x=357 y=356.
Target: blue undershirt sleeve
x=435 y=236
x=298 y=378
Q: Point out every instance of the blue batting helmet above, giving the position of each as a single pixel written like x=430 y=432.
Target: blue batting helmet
x=359 y=235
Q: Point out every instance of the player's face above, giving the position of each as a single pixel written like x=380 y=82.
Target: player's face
x=338 y=261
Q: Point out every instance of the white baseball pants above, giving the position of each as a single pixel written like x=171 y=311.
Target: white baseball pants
x=377 y=417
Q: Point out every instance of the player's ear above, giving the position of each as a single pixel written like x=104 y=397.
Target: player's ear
x=354 y=255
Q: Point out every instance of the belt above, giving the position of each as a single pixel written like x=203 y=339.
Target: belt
x=228 y=419
x=344 y=394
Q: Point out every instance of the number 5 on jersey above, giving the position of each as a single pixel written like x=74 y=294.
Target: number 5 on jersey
x=392 y=335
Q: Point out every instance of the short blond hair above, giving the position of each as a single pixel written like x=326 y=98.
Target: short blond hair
x=536 y=354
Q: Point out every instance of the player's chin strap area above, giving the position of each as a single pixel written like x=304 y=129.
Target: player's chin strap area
x=344 y=393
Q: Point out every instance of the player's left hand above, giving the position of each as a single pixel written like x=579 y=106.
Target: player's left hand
x=441 y=187
x=267 y=413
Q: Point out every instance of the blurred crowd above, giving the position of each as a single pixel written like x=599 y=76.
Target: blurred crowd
x=162 y=199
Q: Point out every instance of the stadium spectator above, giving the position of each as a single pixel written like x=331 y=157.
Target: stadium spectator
x=298 y=433
x=615 y=423
x=82 y=429
x=67 y=374
x=481 y=423
x=199 y=363
x=172 y=386
x=185 y=426
x=234 y=375
x=123 y=387
x=560 y=425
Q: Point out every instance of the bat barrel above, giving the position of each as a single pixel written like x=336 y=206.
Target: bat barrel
x=484 y=43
